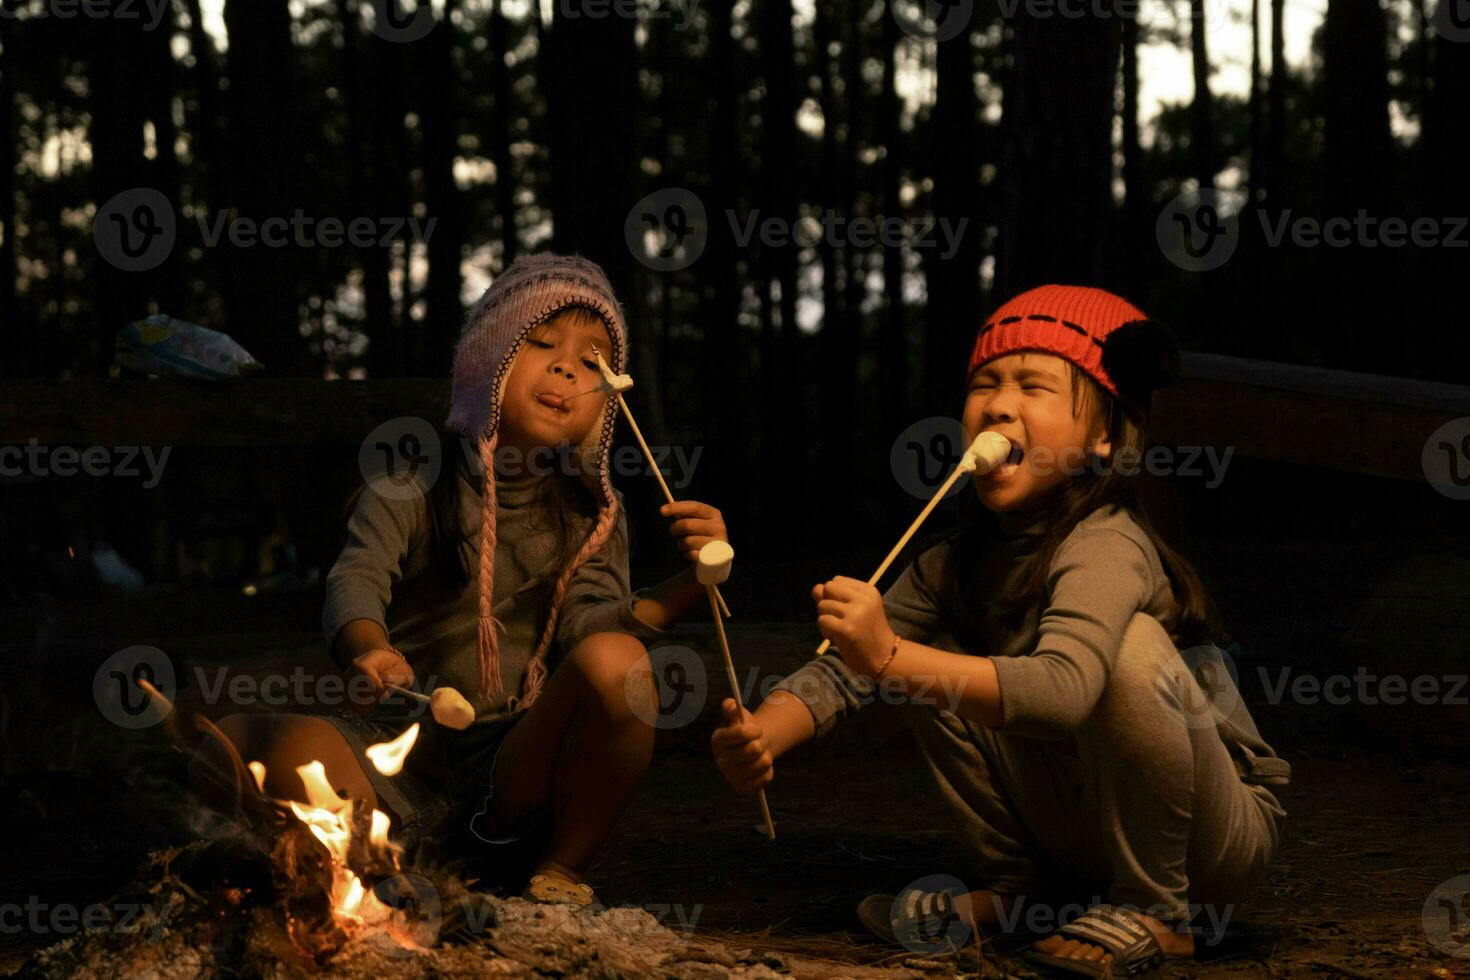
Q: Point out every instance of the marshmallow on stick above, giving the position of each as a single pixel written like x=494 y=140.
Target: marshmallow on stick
x=617 y=384
x=988 y=451
x=715 y=560
x=447 y=705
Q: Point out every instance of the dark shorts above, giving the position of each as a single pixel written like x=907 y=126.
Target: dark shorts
x=440 y=800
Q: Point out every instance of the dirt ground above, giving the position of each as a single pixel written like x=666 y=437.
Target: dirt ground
x=1373 y=829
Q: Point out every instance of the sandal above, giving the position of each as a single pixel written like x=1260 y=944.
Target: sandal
x=1135 y=949
x=555 y=888
x=917 y=920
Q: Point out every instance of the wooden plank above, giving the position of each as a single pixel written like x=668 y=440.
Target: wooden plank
x=1308 y=416
x=258 y=412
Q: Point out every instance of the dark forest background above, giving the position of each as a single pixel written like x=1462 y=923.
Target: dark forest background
x=525 y=128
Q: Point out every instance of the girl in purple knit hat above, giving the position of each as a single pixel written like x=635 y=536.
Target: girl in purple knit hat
x=505 y=577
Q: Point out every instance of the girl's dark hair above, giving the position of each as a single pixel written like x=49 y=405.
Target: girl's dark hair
x=1194 y=620
x=562 y=501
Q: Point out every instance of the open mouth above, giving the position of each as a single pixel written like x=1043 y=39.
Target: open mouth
x=555 y=402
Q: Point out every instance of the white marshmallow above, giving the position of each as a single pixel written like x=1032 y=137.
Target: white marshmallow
x=988 y=451
x=715 y=559
x=450 y=708
x=618 y=383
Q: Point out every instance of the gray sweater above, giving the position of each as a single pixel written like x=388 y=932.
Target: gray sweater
x=1053 y=669
x=384 y=575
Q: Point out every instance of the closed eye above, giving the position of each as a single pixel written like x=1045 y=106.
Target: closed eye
x=590 y=364
x=538 y=343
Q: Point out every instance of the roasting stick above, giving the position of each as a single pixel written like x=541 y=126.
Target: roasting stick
x=617 y=384
x=715 y=559
x=988 y=451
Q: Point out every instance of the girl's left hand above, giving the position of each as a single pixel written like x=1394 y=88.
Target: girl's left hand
x=695 y=525
x=850 y=614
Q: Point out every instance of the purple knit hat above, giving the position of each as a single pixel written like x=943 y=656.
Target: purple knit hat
x=528 y=292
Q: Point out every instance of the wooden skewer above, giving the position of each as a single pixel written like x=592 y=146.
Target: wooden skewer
x=607 y=372
x=968 y=463
x=735 y=691
x=413 y=694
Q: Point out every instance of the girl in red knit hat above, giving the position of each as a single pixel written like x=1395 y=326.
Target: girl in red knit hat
x=505 y=578
x=1037 y=648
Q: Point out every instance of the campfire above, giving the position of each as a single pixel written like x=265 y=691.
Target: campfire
x=317 y=887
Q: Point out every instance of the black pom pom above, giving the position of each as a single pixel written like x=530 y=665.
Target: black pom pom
x=1141 y=357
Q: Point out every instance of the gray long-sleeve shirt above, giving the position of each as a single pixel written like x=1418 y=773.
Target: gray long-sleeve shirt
x=1052 y=669
x=384 y=575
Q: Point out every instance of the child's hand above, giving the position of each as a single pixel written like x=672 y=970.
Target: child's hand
x=850 y=614
x=695 y=525
x=382 y=667
x=740 y=750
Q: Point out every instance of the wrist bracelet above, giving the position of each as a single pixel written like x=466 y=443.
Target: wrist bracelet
x=888 y=659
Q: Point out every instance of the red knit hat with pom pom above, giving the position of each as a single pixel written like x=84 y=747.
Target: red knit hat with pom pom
x=1106 y=336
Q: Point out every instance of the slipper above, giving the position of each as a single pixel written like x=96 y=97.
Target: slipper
x=555 y=888
x=1135 y=949
x=917 y=920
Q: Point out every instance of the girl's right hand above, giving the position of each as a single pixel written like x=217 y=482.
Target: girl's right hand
x=382 y=667
x=740 y=750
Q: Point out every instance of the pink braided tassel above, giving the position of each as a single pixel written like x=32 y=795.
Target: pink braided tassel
x=536 y=669
x=488 y=641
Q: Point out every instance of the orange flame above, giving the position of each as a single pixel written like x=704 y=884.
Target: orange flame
x=387 y=757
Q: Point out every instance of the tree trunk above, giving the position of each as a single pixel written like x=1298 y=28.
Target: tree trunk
x=162 y=81
x=1447 y=141
x=1257 y=122
x=783 y=484
x=1276 y=177
x=893 y=350
x=265 y=151
x=206 y=149
x=724 y=405
x=116 y=138
x=592 y=137
x=1058 y=152
x=838 y=403
x=953 y=307
x=1357 y=161
x=439 y=110
x=1137 y=236
x=1202 y=109
x=500 y=135
x=387 y=179
x=14 y=361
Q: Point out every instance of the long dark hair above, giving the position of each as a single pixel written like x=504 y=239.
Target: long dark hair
x=562 y=501
x=1194 y=620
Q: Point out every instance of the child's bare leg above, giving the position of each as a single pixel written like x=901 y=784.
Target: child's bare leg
x=281 y=742
x=583 y=746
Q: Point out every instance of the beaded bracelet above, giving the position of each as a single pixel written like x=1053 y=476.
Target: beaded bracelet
x=888 y=659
